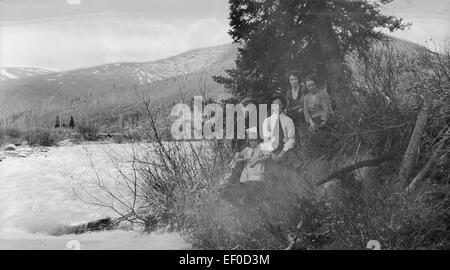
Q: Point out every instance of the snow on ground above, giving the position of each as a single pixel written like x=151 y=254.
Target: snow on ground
x=36 y=196
x=6 y=74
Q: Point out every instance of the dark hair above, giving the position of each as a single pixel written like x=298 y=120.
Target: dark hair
x=295 y=73
x=311 y=78
x=248 y=100
x=279 y=98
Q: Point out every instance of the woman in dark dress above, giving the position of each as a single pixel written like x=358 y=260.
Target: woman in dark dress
x=294 y=97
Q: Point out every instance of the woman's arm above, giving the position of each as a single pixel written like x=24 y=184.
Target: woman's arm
x=288 y=100
x=312 y=126
x=261 y=159
x=308 y=118
x=253 y=162
x=326 y=105
x=300 y=103
x=239 y=156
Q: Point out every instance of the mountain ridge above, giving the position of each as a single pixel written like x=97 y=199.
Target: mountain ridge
x=114 y=84
x=101 y=91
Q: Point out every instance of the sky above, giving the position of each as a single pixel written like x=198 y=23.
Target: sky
x=69 y=34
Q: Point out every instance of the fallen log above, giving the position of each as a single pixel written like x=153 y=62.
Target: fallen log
x=366 y=163
x=97 y=225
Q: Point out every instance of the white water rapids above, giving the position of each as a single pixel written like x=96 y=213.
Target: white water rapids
x=36 y=196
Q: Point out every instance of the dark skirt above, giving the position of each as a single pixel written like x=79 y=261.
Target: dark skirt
x=296 y=117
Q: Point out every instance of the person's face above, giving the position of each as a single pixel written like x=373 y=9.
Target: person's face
x=277 y=106
x=253 y=143
x=294 y=81
x=311 y=86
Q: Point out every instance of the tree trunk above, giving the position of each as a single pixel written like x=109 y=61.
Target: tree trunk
x=421 y=175
x=409 y=159
x=331 y=55
x=435 y=155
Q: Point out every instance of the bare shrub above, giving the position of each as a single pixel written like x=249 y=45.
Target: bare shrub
x=41 y=137
x=13 y=133
x=89 y=132
x=160 y=182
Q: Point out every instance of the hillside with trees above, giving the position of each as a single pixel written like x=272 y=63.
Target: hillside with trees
x=105 y=94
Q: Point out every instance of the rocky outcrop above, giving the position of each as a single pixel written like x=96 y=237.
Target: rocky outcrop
x=21 y=152
x=10 y=147
x=65 y=143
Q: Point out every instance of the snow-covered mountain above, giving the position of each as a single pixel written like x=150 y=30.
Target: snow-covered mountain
x=183 y=64
x=14 y=73
x=30 y=91
x=107 y=92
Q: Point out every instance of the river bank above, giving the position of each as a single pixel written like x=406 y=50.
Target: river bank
x=37 y=195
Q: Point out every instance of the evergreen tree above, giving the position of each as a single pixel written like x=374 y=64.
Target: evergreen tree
x=58 y=122
x=310 y=35
x=71 y=122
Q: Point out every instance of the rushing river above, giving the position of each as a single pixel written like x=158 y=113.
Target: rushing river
x=37 y=196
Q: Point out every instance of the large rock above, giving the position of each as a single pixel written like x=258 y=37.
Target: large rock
x=11 y=153
x=23 y=154
x=10 y=147
x=65 y=143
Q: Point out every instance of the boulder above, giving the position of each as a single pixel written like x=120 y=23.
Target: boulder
x=23 y=154
x=11 y=147
x=11 y=153
x=65 y=143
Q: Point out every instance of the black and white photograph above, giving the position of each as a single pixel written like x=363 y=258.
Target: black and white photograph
x=225 y=125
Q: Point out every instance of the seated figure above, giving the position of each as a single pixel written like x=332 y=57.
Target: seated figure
x=246 y=179
x=316 y=105
x=279 y=135
x=253 y=176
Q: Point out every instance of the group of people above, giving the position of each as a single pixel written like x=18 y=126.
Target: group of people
x=303 y=104
x=306 y=99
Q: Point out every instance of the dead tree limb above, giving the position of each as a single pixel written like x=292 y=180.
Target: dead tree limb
x=430 y=163
x=421 y=175
x=409 y=158
x=366 y=163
